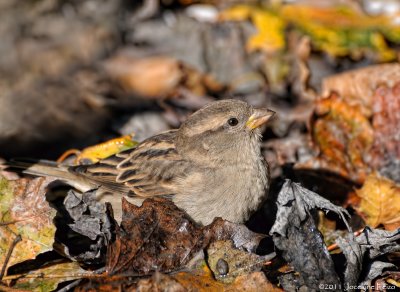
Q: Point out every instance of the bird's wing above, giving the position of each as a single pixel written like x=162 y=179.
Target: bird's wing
x=147 y=170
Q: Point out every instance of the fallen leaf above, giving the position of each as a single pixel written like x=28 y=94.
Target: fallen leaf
x=227 y=262
x=199 y=280
x=343 y=135
x=288 y=150
x=270 y=37
x=48 y=277
x=342 y=31
x=252 y=282
x=160 y=236
x=363 y=251
x=158 y=77
x=202 y=280
x=385 y=150
x=103 y=150
x=356 y=132
x=375 y=270
x=358 y=86
x=25 y=212
x=236 y=13
x=296 y=236
x=153 y=77
x=337 y=30
x=380 y=202
x=86 y=231
x=155 y=236
x=299 y=47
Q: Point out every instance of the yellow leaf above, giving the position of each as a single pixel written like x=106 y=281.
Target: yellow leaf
x=341 y=31
x=270 y=26
x=204 y=281
x=106 y=149
x=47 y=277
x=380 y=202
x=270 y=37
x=25 y=214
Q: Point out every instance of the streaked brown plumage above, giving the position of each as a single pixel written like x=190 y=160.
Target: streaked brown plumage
x=211 y=166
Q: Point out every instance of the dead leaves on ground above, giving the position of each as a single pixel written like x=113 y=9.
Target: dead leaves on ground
x=47 y=278
x=155 y=236
x=25 y=215
x=201 y=280
x=355 y=129
x=158 y=236
x=338 y=31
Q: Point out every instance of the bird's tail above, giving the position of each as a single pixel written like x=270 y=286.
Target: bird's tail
x=37 y=167
x=49 y=169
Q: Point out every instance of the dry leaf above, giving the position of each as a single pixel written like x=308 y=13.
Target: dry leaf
x=149 y=77
x=155 y=236
x=204 y=281
x=385 y=151
x=270 y=37
x=200 y=280
x=343 y=31
x=338 y=31
x=343 y=135
x=158 y=77
x=297 y=238
x=47 y=278
x=227 y=262
x=356 y=133
x=93 y=154
x=380 y=202
x=358 y=86
x=24 y=211
x=160 y=236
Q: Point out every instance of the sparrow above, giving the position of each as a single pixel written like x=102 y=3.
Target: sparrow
x=210 y=167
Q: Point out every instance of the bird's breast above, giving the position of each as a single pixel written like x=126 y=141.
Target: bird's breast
x=232 y=192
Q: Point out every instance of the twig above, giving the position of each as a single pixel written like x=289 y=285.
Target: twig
x=335 y=245
x=70 y=286
x=67 y=154
x=7 y=259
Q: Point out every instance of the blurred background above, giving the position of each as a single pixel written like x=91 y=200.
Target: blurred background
x=74 y=73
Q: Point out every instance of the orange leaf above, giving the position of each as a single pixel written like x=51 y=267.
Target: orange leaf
x=343 y=135
x=151 y=77
x=355 y=124
x=380 y=202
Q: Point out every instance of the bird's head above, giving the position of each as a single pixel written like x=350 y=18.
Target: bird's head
x=221 y=129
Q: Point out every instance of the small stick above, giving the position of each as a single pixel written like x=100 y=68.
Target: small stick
x=7 y=259
x=335 y=245
x=68 y=153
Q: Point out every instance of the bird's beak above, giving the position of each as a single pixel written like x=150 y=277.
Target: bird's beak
x=259 y=117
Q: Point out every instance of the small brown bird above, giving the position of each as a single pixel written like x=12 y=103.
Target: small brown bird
x=210 y=167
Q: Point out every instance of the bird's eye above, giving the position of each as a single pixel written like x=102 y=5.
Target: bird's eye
x=233 y=122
